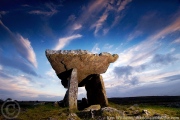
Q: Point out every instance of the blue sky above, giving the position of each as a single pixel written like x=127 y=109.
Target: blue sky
x=145 y=35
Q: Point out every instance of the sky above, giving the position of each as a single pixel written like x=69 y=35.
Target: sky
x=144 y=33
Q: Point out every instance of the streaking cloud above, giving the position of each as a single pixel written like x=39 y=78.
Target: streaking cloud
x=77 y=26
x=65 y=40
x=22 y=45
x=26 y=50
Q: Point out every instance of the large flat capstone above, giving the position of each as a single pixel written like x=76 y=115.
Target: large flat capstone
x=85 y=62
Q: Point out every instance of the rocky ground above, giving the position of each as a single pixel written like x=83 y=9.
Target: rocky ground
x=118 y=109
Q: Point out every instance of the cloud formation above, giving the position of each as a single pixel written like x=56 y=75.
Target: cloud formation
x=21 y=88
x=77 y=26
x=99 y=23
x=1 y=67
x=122 y=4
x=3 y=13
x=42 y=11
x=95 y=49
x=65 y=40
x=22 y=56
x=176 y=41
x=117 y=7
x=18 y=63
x=22 y=45
x=108 y=46
x=25 y=49
x=128 y=74
x=89 y=16
x=138 y=64
x=150 y=89
x=164 y=59
x=39 y=12
x=143 y=52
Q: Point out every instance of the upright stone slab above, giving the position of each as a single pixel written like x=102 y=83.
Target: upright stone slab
x=73 y=90
x=96 y=93
x=65 y=100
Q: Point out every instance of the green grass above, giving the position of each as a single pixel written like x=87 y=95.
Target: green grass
x=44 y=112
x=171 y=112
x=152 y=109
x=50 y=112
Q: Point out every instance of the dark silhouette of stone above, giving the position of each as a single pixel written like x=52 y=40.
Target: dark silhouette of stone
x=96 y=93
x=65 y=76
x=83 y=104
x=65 y=100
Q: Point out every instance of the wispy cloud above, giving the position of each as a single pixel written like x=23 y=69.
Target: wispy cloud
x=174 y=26
x=1 y=67
x=117 y=7
x=25 y=5
x=65 y=40
x=17 y=63
x=176 y=41
x=51 y=10
x=23 y=89
x=71 y=18
x=107 y=46
x=77 y=26
x=122 y=4
x=134 y=35
x=51 y=73
x=150 y=89
x=25 y=49
x=144 y=51
x=95 y=49
x=22 y=45
x=99 y=23
x=146 y=26
x=129 y=74
x=133 y=63
x=89 y=17
x=96 y=6
x=3 y=13
x=40 y=12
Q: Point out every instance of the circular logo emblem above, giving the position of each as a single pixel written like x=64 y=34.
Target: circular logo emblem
x=10 y=109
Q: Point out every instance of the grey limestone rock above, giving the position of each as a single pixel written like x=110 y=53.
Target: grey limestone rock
x=84 y=61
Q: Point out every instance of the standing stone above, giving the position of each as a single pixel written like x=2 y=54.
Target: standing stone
x=96 y=93
x=73 y=90
x=65 y=100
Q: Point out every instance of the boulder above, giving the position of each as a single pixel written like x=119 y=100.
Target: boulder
x=93 y=107
x=146 y=112
x=109 y=111
x=96 y=93
x=86 y=63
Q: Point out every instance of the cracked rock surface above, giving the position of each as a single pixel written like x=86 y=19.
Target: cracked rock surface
x=85 y=62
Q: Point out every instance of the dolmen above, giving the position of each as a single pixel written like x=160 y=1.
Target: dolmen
x=79 y=68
